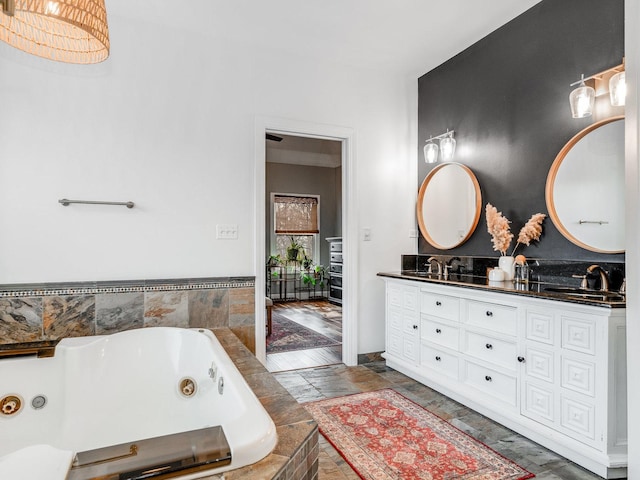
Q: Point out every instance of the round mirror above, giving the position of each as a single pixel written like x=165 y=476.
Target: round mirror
x=449 y=205
x=585 y=188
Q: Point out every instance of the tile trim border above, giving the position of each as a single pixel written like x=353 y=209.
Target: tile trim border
x=126 y=286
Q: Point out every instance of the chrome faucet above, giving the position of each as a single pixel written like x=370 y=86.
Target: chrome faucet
x=438 y=263
x=604 y=279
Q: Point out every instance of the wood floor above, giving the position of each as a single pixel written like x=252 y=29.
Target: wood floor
x=320 y=316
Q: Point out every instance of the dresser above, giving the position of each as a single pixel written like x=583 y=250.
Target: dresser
x=335 y=269
x=554 y=371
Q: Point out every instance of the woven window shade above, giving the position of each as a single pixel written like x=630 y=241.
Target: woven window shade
x=296 y=215
x=73 y=31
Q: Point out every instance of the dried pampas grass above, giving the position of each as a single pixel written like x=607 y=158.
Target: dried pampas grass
x=501 y=236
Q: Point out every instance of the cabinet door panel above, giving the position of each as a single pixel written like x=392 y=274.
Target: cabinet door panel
x=578 y=334
x=539 y=327
x=538 y=403
x=578 y=376
x=539 y=364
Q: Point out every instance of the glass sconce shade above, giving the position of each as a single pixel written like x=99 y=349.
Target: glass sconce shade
x=618 y=89
x=431 y=152
x=582 y=100
x=448 y=146
x=73 y=31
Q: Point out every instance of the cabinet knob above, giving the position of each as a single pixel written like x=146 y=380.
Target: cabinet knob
x=489 y=313
x=521 y=359
x=438 y=358
x=415 y=327
x=438 y=330
x=438 y=303
x=487 y=378
x=489 y=346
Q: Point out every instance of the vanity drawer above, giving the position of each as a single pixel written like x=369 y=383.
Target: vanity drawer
x=335 y=247
x=492 y=316
x=439 y=333
x=498 y=385
x=439 y=361
x=498 y=352
x=442 y=306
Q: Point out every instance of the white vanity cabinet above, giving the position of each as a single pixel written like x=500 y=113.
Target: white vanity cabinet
x=403 y=322
x=553 y=371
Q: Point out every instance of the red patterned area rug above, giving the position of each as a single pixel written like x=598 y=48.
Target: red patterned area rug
x=385 y=436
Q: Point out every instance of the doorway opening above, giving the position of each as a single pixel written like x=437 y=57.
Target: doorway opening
x=303 y=251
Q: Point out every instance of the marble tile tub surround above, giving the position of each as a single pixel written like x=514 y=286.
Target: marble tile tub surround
x=295 y=456
x=547 y=271
x=48 y=312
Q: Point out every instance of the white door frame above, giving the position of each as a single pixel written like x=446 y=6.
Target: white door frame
x=349 y=225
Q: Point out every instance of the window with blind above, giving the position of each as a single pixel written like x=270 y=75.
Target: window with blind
x=295 y=218
x=295 y=215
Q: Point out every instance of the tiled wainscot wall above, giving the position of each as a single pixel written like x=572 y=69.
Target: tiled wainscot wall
x=37 y=313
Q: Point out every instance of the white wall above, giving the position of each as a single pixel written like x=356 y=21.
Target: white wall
x=168 y=122
x=632 y=132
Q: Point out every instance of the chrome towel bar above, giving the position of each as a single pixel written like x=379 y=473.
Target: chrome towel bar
x=66 y=202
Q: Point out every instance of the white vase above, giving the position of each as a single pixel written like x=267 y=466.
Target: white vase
x=508 y=265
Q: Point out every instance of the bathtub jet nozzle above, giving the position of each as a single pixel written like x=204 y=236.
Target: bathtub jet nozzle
x=10 y=405
x=187 y=387
x=213 y=371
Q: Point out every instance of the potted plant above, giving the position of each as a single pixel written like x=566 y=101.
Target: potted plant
x=272 y=262
x=293 y=250
x=314 y=276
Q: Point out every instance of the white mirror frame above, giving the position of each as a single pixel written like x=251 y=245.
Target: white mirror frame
x=570 y=185
x=456 y=210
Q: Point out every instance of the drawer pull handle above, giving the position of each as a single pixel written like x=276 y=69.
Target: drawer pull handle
x=487 y=378
x=438 y=359
x=438 y=330
x=521 y=359
x=438 y=303
x=489 y=346
x=489 y=313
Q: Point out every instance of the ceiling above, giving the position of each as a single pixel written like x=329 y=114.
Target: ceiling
x=313 y=152
x=410 y=37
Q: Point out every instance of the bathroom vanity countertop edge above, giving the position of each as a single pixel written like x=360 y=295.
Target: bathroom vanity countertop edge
x=531 y=289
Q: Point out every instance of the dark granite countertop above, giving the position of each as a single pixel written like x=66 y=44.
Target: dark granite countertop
x=530 y=289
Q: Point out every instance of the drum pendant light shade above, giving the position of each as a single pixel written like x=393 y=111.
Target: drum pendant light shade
x=73 y=31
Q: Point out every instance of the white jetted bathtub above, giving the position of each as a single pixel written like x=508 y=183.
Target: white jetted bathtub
x=135 y=404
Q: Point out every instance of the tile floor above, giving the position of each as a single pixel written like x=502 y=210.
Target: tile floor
x=336 y=380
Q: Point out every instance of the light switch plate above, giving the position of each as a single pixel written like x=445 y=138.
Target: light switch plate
x=227 y=231
x=366 y=234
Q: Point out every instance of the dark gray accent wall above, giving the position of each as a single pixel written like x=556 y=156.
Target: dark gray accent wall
x=507 y=99
x=299 y=179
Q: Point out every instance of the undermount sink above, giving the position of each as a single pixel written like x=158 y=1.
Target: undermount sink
x=585 y=293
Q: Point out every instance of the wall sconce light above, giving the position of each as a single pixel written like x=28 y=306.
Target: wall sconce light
x=582 y=99
x=447 y=147
x=618 y=89
x=62 y=30
x=611 y=81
